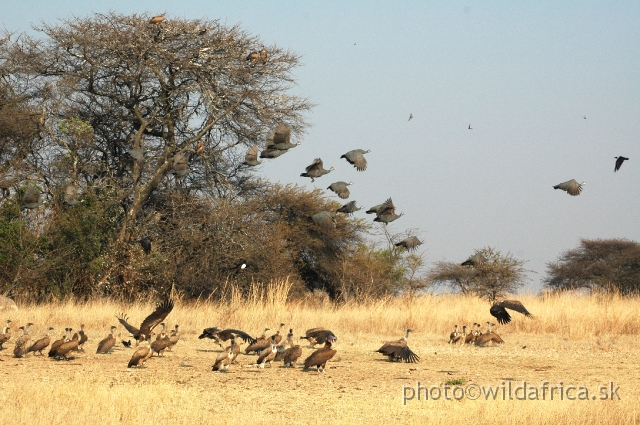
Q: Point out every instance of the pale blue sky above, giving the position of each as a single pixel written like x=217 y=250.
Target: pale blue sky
x=523 y=74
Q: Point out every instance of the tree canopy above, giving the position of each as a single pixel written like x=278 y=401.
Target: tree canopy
x=597 y=264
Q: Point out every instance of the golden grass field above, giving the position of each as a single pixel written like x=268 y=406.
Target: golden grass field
x=576 y=340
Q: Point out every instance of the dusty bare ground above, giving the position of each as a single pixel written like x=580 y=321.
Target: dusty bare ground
x=361 y=387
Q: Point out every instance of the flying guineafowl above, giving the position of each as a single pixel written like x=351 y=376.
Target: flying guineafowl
x=349 y=208
x=279 y=138
x=181 y=164
x=341 y=189
x=572 y=187
x=316 y=170
x=31 y=199
x=356 y=158
x=71 y=195
x=410 y=244
x=386 y=213
x=272 y=153
x=251 y=157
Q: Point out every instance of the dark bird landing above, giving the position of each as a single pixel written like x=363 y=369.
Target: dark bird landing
x=498 y=310
x=356 y=158
x=619 y=161
x=572 y=187
x=410 y=117
x=127 y=343
x=475 y=260
x=399 y=351
x=410 y=243
x=223 y=335
x=145 y=243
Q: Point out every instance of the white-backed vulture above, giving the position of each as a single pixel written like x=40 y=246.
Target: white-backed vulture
x=173 y=338
x=320 y=357
x=224 y=359
x=6 y=334
x=220 y=335
x=399 y=351
x=108 y=343
x=41 y=344
x=57 y=343
x=453 y=336
x=142 y=354
x=268 y=355
x=67 y=347
x=260 y=344
x=22 y=343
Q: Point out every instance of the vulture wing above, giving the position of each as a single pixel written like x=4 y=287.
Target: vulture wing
x=132 y=329
x=155 y=318
x=498 y=310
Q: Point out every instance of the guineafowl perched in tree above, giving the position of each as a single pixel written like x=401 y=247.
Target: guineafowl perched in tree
x=316 y=170
x=324 y=218
x=356 y=158
x=341 y=189
x=572 y=187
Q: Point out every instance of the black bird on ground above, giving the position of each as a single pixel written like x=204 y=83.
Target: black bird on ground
x=498 y=310
x=619 y=161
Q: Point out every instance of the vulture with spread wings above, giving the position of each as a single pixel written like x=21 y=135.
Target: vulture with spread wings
x=153 y=320
x=499 y=310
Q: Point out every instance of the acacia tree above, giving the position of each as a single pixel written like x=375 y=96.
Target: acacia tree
x=597 y=264
x=122 y=102
x=496 y=277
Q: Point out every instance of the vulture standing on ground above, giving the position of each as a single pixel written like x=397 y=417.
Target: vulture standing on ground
x=173 y=338
x=293 y=353
x=316 y=170
x=57 y=343
x=340 y=188
x=268 y=355
x=68 y=346
x=218 y=335
x=277 y=336
x=83 y=338
x=153 y=320
x=142 y=354
x=108 y=343
x=6 y=333
x=41 y=344
x=619 y=161
x=399 y=351
x=251 y=157
x=489 y=338
x=22 y=343
x=453 y=336
x=475 y=260
x=31 y=199
x=386 y=213
x=356 y=158
x=349 y=208
x=224 y=359
x=499 y=310
x=572 y=187
x=410 y=243
x=319 y=358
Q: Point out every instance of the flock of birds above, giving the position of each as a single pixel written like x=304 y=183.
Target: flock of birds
x=269 y=349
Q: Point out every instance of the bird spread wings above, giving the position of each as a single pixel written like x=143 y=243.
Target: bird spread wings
x=356 y=158
x=572 y=187
x=155 y=318
x=281 y=135
x=315 y=165
x=410 y=243
x=498 y=310
x=396 y=350
x=386 y=209
x=123 y=321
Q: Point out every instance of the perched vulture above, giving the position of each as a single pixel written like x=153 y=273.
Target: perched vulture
x=319 y=358
x=268 y=354
x=318 y=336
x=259 y=343
x=57 y=343
x=224 y=359
x=340 y=188
x=316 y=170
x=253 y=56
x=356 y=158
x=264 y=55
x=251 y=157
x=349 y=208
x=68 y=346
x=399 y=351
x=411 y=243
x=572 y=187
x=142 y=354
x=6 y=333
x=498 y=310
x=157 y=19
x=153 y=320
x=22 y=345
x=475 y=260
x=619 y=161
x=41 y=344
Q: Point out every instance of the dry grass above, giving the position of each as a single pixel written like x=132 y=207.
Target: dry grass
x=579 y=340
